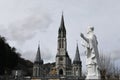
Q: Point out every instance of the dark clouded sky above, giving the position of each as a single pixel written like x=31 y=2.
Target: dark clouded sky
x=26 y=22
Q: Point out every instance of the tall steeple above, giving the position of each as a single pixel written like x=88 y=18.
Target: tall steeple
x=77 y=59
x=63 y=61
x=38 y=59
x=62 y=43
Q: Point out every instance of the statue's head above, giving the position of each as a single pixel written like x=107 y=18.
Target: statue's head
x=90 y=29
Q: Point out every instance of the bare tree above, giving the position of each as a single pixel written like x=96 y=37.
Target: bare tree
x=108 y=69
x=116 y=72
x=106 y=66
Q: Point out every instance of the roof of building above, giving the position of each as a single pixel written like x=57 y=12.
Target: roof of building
x=62 y=26
x=77 y=59
x=38 y=58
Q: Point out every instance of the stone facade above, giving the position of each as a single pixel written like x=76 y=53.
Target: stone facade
x=64 y=68
x=63 y=61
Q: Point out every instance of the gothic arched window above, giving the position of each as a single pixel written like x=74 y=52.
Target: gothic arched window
x=61 y=59
x=59 y=42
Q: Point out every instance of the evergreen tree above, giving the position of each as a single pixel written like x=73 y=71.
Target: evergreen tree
x=10 y=59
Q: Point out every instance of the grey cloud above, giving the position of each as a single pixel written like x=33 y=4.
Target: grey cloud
x=26 y=28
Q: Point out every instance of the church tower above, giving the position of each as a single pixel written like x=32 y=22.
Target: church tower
x=77 y=67
x=63 y=62
x=37 y=67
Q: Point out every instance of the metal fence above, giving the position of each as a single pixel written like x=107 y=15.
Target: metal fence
x=58 y=78
x=41 y=78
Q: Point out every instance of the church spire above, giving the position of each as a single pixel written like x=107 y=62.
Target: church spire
x=62 y=30
x=38 y=56
x=62 y=25
x=77 y=59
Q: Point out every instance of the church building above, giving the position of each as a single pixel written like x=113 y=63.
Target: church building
x=63 y=66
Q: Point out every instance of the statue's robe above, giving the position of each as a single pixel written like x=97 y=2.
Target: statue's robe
x=92 y=57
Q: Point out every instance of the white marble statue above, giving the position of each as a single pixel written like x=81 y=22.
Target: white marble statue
x=92 y=62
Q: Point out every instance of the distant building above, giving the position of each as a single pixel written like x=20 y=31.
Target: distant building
x=38 y=65
x=63 y=68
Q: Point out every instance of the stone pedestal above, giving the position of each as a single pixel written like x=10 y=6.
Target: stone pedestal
x=93 y=72
x=93 y=77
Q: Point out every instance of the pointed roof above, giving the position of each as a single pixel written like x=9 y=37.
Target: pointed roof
x=38 y=56
x=77 y=59
x=62 y=26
